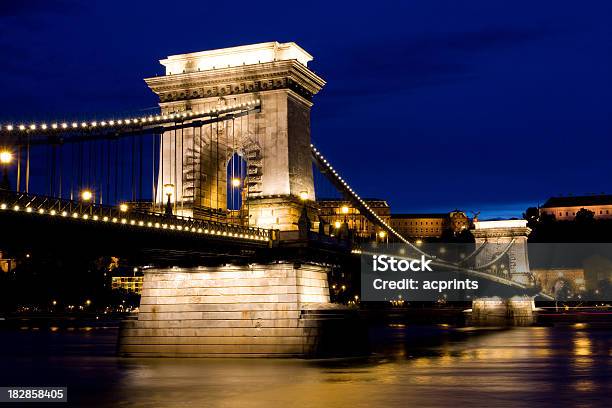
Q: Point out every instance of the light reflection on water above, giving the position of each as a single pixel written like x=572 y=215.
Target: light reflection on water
x=410 y=366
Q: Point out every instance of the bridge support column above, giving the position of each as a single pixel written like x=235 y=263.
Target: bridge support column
x=495 y=311
x=271 y=310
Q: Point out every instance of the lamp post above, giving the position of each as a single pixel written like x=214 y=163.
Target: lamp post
x=304 y=221
x=168 y=191
x=382 y=235
x=236 y=183
x=6 y=158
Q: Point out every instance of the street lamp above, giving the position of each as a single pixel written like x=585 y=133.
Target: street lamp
x=168 y=191
x=6 y=158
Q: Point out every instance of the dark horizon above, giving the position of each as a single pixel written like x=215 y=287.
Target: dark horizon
x=482 y=107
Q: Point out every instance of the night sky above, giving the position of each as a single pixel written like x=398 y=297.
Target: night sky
x=487 y=106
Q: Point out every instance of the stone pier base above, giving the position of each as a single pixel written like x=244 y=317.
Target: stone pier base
x=517 y=311
x=275 y=310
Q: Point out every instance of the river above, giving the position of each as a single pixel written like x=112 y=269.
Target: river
x=410 y=366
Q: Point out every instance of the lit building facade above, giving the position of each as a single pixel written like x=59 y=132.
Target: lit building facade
x=565 y=208
x=420 y=225
x=335 y=212
x=430 y=225
x=131 y=284
x=555 y=280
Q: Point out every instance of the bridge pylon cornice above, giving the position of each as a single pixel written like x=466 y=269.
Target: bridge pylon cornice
x=245 y=79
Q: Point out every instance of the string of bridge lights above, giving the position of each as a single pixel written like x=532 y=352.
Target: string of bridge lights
x=144 y=120
x=356 y=196
x=132 y=222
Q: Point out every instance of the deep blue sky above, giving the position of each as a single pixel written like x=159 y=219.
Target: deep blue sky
x=433 y=105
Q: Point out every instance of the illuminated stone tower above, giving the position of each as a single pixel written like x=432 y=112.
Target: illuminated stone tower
x=275 y=143
x=506 y=242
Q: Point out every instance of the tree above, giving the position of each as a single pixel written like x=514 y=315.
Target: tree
x=585 y=216
x=532 y=215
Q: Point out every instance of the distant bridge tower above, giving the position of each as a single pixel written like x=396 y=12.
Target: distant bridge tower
x=505 y=254
x=275 y=143
x=505 y=251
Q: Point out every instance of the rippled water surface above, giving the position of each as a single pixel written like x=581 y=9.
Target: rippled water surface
x=570 y=365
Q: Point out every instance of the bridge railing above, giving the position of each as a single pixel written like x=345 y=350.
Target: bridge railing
x=93 y=212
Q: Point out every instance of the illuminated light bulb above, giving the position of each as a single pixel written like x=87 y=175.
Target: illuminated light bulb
x=164 y=226
x=54 y=125
x=22 y=127
x=123 y=221
x=9 y=127
x=105 y=219
x=102 y=123
x=123 y=207
x=6 y=157
x=132 y=222
x=140 y=223
x=119 y=122
x=16 y=208
x=64 y=213
x=28 y=209
x=236 y=182
x=127 y=121
x=95 y=218
x=205 y=231
x=85 y=216
x=83 y=124
x=111 y=122
x=75 y=215
x=2 y=206
x=114 y=219
x=157 y=225
x=86 y=195
x=74 y=125
x=32 y=127
x=94 y=124
x=43 y=126
x=200 y=230
x=52 y=212
x=180 y=227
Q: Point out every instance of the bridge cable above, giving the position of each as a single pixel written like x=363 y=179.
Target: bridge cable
x=61 y=162
x=18 y=168
x=27 y=177
x=153 y=187
x=175 y=172
x=182 y=172
x=140 y=157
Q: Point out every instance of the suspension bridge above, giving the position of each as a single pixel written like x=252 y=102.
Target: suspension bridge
x=215 y=190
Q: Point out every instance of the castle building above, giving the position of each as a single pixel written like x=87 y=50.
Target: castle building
x=430 y=225
x=565 y=208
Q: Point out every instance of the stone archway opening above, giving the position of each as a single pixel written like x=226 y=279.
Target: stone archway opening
x=236 y=186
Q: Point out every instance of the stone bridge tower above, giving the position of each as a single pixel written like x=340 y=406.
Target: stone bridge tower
x=275 y=143
x=506 y=241
x=504 y=254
